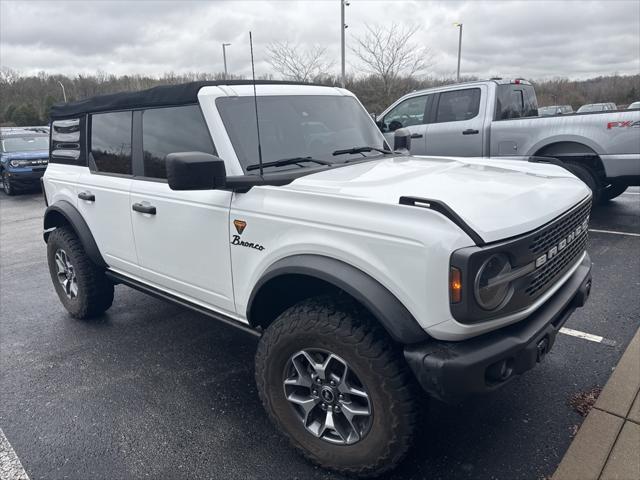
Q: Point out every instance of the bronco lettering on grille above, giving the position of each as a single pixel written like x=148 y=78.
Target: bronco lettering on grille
x=562 y=244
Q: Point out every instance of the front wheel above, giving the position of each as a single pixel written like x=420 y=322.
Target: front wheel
x=6 y=185
x=337 y=387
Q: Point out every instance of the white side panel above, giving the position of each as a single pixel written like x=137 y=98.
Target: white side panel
x=411 y=260
x=184 y=247
x=109 y=216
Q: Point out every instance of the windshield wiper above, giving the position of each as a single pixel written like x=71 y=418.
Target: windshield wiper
x=288 y=161
x=363 y=149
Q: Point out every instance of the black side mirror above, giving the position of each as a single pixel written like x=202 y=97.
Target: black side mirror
x=195 y=171
x=402 y=140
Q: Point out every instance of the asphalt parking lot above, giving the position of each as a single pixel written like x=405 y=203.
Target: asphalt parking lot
x=151 y=390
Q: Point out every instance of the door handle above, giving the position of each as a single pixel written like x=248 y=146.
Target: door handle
x=88 y=196
x=416 y=135
x=142 y=208
x=470 y=131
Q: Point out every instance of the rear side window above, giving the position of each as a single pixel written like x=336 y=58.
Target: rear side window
x=458 y=105
x=111 y=142
x=516 y=101
x=172 y=130
x=67 y=141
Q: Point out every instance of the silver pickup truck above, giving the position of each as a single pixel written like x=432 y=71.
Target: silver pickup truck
x=499 y=118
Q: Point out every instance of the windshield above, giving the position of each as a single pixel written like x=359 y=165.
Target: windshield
x=25 y=144
x=298 y=126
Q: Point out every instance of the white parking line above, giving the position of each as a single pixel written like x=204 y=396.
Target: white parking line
x=587 y=336
x=631 y=193
x=10 y=466
x=629 y=234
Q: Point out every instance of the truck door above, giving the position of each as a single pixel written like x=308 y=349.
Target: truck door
x=409 y=114
x=456 y=123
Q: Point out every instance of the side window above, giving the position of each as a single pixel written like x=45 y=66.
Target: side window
x=458 y=105
x=410 y=112
x=67 y=141
x=111 y=142
x=172 y=130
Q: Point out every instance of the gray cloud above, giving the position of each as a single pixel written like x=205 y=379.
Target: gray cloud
x=535 y=39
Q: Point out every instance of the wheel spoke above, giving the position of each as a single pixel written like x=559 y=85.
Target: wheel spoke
x=306 y=404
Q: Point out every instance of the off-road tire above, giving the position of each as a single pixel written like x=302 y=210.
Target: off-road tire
x=589 y=178
x=95 y=291
x=347 y=330
x=613 y=190
x=7 y=188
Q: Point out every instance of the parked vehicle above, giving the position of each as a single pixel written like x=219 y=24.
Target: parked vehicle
x=24 y=155
x=634 y=105
x=597 y=107
x=365 y=273
x=555 y=110
x=499 y=118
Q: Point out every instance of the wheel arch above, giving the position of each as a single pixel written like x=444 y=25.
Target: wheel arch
x=573 y=151
x=64 y=214
x=297 y=277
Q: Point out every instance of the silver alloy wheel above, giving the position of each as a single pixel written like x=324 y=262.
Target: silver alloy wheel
x=66 y=274
x=327 y=396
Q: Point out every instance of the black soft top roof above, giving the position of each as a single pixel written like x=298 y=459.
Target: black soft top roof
x=163 y=95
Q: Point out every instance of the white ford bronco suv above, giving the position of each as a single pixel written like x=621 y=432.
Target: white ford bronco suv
x=365 y=273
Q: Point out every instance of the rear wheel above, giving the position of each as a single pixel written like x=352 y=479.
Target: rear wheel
x=613 y=190
x=589 y=178
x=6 y=185
x=82 y=287
x=337 y=387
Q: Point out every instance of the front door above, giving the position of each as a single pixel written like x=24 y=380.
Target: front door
x=181 y=237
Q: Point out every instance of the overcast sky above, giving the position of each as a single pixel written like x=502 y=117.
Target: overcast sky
x=533 y=39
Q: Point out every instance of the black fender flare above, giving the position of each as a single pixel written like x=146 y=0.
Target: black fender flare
x=377 y=299
x=64 y=213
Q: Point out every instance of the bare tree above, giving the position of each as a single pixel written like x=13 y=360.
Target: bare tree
x=389 y=53
x=298 y=64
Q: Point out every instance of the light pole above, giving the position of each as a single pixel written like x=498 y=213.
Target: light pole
x=343 y=27
x=224 y=58
x=64 y=95
x=459 y=25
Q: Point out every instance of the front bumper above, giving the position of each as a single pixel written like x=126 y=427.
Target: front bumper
x=25 y=177
x=451 y=371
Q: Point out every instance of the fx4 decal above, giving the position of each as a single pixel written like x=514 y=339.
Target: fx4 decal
x=626 y=123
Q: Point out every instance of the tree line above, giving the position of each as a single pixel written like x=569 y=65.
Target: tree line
x=391 y=63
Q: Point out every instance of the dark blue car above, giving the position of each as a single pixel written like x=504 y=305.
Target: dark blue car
x=24 y=155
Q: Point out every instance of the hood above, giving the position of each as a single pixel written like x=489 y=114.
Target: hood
x=33 y=155
x=497 y=198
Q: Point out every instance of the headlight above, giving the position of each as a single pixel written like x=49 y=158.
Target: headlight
x=16 y=163
x=492 y=286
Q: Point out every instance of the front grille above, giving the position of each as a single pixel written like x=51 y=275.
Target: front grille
x=549 y=238
x=543 y=241
x=551 y=270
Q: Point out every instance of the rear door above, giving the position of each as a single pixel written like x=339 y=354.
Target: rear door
x=409 y=114
x=103 y=188
x=456 y=123
x=181 y=237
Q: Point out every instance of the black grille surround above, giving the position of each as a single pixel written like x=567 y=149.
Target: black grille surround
x=556 y=247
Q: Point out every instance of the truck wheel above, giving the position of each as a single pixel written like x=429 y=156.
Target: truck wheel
x=589 y=178
x=614 y=190
x=6 y=185
x=82 y=287
x=336 y=386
